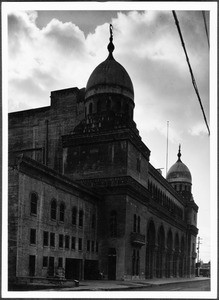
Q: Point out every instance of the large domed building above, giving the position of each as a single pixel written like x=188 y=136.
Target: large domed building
x=85 y=200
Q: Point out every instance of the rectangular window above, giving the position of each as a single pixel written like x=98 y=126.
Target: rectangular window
x=45 y=261
x=60 y=262
x=79 y=244
x=81 y=214
x=61 y=241
x=45 y=238
x=67 y=242
x=33 y=236
x=73 y=242
x=52 y=239
x=74 y=215
x=92 y=246
x=88 y=246
x=33 y=204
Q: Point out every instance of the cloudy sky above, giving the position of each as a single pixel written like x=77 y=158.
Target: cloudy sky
x=52 y=50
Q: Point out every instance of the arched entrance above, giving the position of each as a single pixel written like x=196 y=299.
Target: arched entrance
x=182 y=258
x=169 y=254
x=150 y=254
x=176 y=256
x=160 y=253
x=112 y=264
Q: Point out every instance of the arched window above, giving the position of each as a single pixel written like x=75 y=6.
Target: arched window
x=139 y=224
x=53 y=209
x=90 y=108
x=81 y=215
x=74 y=215
x=113 y=223
x=62 y=212
x=33 y=203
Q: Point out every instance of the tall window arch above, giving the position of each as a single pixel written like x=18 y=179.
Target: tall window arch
x=62 y=212
x=139 y=224
x=33 y=203
x=81 y=216
x=113 y=223
x=53 y=209
x=74 y=215
x=135 y=223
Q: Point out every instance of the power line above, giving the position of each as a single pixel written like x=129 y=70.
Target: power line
x=206 y=29
x=190 y=69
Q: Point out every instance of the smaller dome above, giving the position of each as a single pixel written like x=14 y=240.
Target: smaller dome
x=179 y=172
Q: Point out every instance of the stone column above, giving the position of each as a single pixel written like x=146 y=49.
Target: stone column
x=171 y=263
x=177 y=263
x=163 y=263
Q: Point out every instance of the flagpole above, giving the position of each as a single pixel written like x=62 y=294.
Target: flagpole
x=167 y=148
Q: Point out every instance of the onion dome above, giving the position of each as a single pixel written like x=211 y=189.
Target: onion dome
x=110 y=77
x=179 y=172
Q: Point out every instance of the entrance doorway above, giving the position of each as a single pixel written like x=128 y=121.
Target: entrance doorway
x=51 y=266
x=32 y=261
x=112 y=264
x=91 y=270
x=73 y=268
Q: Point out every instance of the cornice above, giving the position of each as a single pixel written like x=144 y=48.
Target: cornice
x=43 y=173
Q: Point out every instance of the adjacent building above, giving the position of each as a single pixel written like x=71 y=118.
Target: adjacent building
x=84 y=199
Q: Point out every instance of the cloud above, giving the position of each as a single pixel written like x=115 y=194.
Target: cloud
x=146 y=44
x=66 y=36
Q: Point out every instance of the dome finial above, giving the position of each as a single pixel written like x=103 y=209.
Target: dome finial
x=110 y=45
x=179 y=153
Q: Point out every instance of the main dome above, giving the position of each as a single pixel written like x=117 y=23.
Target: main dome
x=110 y=77
x=179 y=172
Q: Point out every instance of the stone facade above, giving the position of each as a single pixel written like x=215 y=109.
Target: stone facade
x=84 y=199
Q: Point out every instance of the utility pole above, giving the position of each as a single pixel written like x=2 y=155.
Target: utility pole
x=198 y=263
x=199 y=243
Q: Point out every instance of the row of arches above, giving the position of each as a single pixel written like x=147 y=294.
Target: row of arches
x=164 y=200
x=114 y=103
x=165 y=253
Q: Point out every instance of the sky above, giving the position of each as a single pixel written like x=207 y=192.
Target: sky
x=58 y=49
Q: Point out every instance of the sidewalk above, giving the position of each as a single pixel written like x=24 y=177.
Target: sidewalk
x=105 y=285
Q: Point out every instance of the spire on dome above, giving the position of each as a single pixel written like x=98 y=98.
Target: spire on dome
x=179 y=153
x=111 y=47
